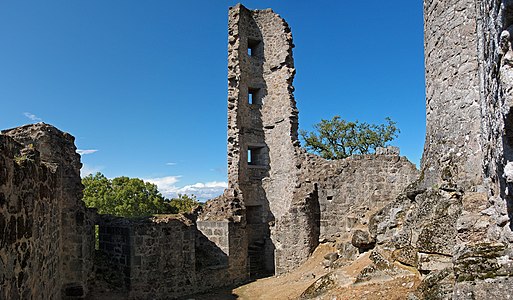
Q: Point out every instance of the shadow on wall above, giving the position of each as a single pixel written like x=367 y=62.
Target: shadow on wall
x=255 y=164
x=162 y=255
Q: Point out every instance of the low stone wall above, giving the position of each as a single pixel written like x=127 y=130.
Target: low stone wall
x=166 y=257
x=163 y=263
x=352 y=189
x=46 y=233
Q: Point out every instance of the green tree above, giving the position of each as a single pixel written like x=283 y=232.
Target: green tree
x=123 y=196
x=184 y=203
x=98 y=193
x=337 y=138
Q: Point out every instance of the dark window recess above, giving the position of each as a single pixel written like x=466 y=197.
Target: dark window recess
x=254 y=47
x=254 y=96
x=256 y=156
x=254 y=214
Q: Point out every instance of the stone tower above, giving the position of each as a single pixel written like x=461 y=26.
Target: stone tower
x=262 y=123
x=452 y=150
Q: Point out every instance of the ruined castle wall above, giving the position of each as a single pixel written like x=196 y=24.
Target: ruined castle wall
x=155 y=256
x=267 y=126
x=221 y=257
x=47 y=233
x=115 y=243
x=165 y=257
x=162 y=260
x=352 y=189
x=453 y=149
x=459 y=230
x=29 y=266
x=222 y=241
x=492 y=99
x=478 y=33
x=335 y=197
x=285 y=192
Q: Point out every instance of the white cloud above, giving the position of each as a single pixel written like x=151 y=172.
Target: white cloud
x=203 y=191
x=87 y=170
x=170 y=164
x=85 y=152
x=164 y=183
x=32 y=117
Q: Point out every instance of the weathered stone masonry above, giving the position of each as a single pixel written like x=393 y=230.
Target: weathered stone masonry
x=292 y=199
x=46 y=233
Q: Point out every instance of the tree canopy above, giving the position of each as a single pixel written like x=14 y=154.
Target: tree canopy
x=183 y=203
x=338 y=138
x=131 y=197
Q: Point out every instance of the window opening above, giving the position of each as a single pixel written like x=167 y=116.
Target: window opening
x=254 y=96
x=253 y=47
x=256 y=156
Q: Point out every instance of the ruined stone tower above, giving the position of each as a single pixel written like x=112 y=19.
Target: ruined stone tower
x=262 y=122
x=291 y=198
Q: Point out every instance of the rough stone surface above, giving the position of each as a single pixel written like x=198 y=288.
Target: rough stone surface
x=362 y=240
x=46 y=233
x=166 y=257
x=452 y=151
x=455 y=219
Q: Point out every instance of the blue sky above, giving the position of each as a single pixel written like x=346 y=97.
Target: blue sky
x=142 y=84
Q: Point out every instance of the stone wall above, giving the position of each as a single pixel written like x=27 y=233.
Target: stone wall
x=154 y=255
x=166 y=257
x=163 y=263
x=222 y=241
x=46 y=232
x=115 y=243
x=351 y=190
x=262 y=123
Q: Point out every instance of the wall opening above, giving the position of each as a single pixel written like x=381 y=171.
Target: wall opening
x=254 y=214
x=256 y=156
x=254 y=47
x=254 y=96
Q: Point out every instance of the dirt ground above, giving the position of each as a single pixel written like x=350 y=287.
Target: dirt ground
x=293 y=284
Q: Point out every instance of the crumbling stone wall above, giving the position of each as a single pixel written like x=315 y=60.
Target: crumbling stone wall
x=166 y=257
x=222 y=241
x=262 y=122
x=46 y=231
x=351 y=190
x=155 y=255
